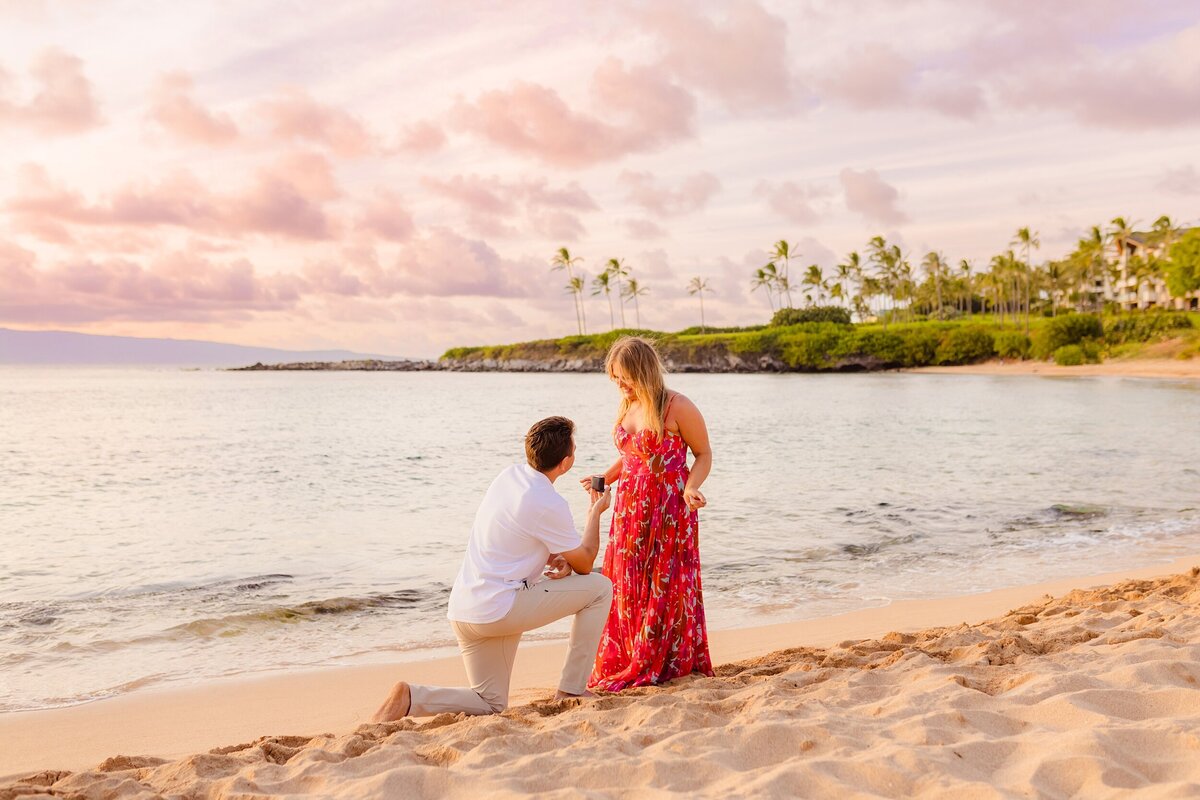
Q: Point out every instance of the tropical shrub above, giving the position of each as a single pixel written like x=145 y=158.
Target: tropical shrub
x=887 y=347
x=763 y=342
x=1183 y=268
x=811 y=349
x=1012 y=344
x=1145 y=327
x=1069 y=355
x=920 y=346
x=696 y=330
x=965 y=346
x=794 y=316
x=1067 y=329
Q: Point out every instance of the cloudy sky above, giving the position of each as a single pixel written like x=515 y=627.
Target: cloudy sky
x=393 y=177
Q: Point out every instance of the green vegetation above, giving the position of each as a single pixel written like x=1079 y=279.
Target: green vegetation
x=1067 y=310
x=794 y=316
x=1183 y=267
x=823 y=345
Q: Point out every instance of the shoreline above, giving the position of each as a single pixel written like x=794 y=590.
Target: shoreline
x=174 y=722
x=1131 y=368
x=1134 y=368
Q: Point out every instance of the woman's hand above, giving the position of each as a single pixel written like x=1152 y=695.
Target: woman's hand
x=694 y=498
x=586 y=483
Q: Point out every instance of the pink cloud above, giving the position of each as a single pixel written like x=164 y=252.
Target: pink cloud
x=333 y=277
x=177 y=112
x=386 y=217
x=792 y=201
x=871 y=196
x=536 y=192
x=741 y=58
x=646 y=111
x=296 y=115
x=63 y=102
x=16 y=267
x=491 y=203
x=1182 y=180
x=693 y=193
x=422 y=138
x=876 y=76
x=173 y=287
x=557 y=225
x=475 y=193
x=444 y=264
x=644 y=229
x=1158 y=85
x=284 y=199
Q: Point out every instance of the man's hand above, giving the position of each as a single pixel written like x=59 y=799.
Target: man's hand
x=557 y=567
x=600 y=500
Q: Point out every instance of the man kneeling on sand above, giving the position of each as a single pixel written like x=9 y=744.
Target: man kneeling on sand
x=522 y=527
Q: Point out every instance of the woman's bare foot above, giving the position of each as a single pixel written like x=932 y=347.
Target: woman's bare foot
x=561 y=695
x=397 y=705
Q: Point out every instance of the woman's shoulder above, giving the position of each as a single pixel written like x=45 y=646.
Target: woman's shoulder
x=679 y=404
x=679 y=400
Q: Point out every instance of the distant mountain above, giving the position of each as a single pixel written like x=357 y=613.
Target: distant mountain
x=61 y=347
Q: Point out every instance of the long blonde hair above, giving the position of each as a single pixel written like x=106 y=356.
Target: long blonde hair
x=640 y=362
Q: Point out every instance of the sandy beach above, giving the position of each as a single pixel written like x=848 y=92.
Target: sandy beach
x=1140 y=368
x=1058 y=689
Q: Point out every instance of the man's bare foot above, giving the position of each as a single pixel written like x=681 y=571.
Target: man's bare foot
x=561 y=695
x=397 y=705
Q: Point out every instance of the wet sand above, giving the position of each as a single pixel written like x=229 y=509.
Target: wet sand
x=1142 y=368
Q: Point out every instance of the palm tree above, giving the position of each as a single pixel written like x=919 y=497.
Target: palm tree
x=965 y=267
x=935 y=264
x=1121 y=233
x=783 y=287
x=616 y=267
x=699 y=286
x=603 y=285
x=563 y=260
x=871 y=288
x=1001 y=281
x=575 y=286
x=1089 y=260
x=1027 y=239
x=765 y=278
x=880 y=256
x=1164 y=233
x=853 y=269
x=634 y=290
x=783 y=252
x=1057 y=277
x=815 y=278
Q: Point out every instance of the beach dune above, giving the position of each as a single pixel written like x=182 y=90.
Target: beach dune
x=1092 y=693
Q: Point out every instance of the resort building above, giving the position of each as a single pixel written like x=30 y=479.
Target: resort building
x=1133 y=285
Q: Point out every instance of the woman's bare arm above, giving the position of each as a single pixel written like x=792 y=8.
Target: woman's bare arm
x=695 y=435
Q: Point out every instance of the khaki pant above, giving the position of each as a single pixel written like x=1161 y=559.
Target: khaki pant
x=488 y=649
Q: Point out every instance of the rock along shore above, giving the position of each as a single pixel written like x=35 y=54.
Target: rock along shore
x=723 y=362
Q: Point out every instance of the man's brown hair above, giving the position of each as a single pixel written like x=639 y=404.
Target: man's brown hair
x=548 y=443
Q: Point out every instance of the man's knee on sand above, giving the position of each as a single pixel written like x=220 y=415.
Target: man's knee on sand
x=496 y=703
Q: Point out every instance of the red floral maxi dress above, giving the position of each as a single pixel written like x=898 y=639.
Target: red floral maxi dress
x=655 y=629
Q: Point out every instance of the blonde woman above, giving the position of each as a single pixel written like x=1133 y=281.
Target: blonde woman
x=655 y=629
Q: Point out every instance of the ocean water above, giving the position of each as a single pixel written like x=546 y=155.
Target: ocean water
x=162 y=526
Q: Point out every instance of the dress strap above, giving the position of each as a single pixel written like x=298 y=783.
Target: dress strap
x=667 y=408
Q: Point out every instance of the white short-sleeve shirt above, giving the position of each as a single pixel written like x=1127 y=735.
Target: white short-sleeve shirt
x=521 y=521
